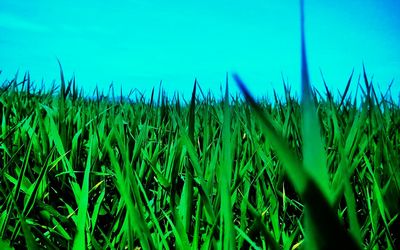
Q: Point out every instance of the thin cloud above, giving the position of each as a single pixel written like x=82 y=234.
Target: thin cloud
x=15 y=22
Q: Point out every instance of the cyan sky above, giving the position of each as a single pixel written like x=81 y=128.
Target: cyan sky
x=139 y=43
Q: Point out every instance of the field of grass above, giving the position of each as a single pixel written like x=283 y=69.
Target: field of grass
x=208 y=174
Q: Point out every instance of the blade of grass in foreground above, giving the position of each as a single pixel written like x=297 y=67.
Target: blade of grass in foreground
x=327 y=232
x=135 y=226
x=80 y=239
x=314 y=156
x=186 y=203
x=296 y=173
x=324 y=231
x=225 y=177
x=320 y=217
x=33 y=194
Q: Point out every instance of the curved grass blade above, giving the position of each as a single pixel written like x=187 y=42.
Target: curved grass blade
x=324 y=231
x=323 y=227
x=314 y=156
x=294 y=169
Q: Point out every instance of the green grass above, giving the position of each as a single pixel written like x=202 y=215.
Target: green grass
x=210 y=174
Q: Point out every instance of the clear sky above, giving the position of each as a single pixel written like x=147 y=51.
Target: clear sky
x=139 y=43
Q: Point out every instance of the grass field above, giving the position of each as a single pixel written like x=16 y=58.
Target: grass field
x=207 y=174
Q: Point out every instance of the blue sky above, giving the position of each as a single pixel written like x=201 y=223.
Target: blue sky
x=138 y=43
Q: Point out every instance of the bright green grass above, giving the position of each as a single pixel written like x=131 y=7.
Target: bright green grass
x=211 y=174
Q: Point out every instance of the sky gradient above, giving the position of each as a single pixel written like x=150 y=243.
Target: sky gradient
x=137 y=44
